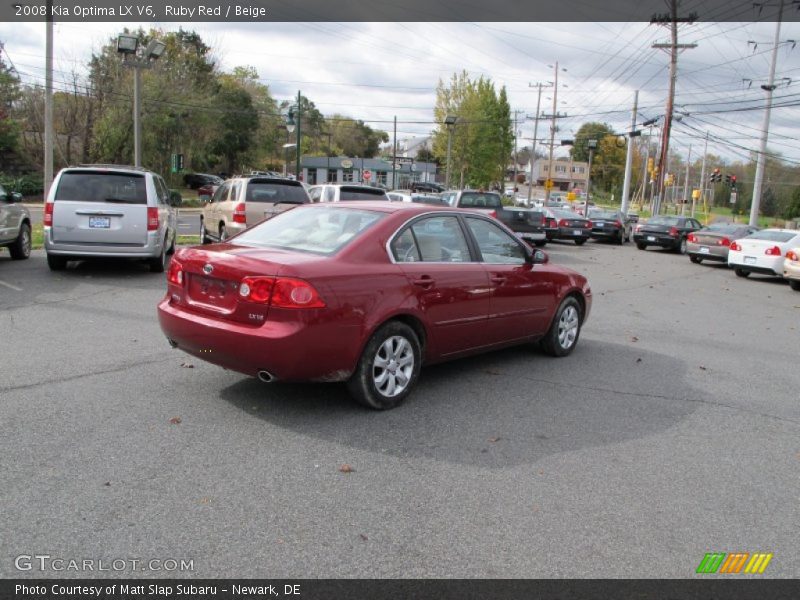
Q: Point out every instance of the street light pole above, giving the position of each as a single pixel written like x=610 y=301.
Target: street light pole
x=592 y=145
x=449 y=120
x=299 y=120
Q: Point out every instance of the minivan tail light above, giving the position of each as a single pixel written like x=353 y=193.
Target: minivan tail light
x=152 y=219
x=774 y=251
x=240 y=214
x=736 y=247
x=281 y=292
x=48 y=214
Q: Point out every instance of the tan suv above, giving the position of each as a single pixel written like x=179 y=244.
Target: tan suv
x=242 y=202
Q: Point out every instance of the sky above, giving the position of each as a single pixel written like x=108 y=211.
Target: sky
x=376 y=71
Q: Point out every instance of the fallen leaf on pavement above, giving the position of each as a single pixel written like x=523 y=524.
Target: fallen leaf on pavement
x=187 y=365
x=363 y=537
x=345 y=468
x=638 y=360
x=107 y=483
x=176 y=421
x=494 y=440
x=703 y=368
x=634 y=339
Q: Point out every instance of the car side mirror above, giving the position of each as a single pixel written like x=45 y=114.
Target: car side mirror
x=540 y=257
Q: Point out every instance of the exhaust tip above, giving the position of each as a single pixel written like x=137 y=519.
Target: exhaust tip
x=265 y=376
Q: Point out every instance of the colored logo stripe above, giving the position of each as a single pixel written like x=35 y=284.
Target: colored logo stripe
x=711 y=562
x=734 y=562
x=758 y=563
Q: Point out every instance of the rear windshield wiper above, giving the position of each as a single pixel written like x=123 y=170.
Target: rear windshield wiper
x=121 y=200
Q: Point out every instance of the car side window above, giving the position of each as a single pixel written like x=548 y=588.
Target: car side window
x=436 y=239
x=496 y=246
x=222 y=193
x=236 y=192
x=163 y=191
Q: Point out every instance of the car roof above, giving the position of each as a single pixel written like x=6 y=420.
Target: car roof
x=104 y=167
x=388 y=207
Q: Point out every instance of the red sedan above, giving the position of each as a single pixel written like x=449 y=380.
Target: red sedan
x=366 y=293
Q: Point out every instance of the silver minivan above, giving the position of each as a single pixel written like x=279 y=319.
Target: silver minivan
x=112 y=211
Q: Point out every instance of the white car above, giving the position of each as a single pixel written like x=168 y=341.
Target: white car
x=791 y=267
x=762 y=252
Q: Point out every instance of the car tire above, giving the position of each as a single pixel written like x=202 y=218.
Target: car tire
x=171 y=249
x=562 y=337
x=580 y=242
x=21 y=248
x=377 y=387
x=159 y=263
x=741 y=272
x=540 y=243
x=681 y=248
x=695 y=259
x=641 y=246
x=223 y=233
x=621 y=239
x=56 y=263
x=795 y=284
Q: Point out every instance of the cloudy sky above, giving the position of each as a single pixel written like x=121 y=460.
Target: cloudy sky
x=376 y=71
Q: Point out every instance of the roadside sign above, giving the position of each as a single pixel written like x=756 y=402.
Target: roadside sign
x=367 y=174
x=403 y=160
x=347 y=164
x=548 y=184
x=733 y=197
x=413 y=167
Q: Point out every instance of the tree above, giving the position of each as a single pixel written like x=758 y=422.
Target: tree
x=425 y=154
x=769 y=203
x=9 y=95
x=792 y=209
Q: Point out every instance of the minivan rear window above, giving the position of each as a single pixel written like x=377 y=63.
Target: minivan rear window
x=258 y=191
x=94 y=186
x=354 y=193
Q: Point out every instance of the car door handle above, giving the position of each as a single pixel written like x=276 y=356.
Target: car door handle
x=424 y=282
x=498 y=279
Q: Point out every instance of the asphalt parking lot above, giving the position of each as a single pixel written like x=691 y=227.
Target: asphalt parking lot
x=673 y=430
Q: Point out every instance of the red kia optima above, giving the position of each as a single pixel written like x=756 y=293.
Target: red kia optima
x=366 y=293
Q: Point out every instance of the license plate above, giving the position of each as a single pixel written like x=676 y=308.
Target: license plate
x=651 y=238
x=99 y=222
x=704 y=250
x=577 y=232
x=749 y=260
x=599 y=223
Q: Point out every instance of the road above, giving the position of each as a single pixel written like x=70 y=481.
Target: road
x=670 y=432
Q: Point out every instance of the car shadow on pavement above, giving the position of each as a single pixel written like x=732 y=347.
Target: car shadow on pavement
x=497 y=410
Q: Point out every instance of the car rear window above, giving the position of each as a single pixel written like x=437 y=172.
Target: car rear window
x=602 y=214
x=258 y=191
x=315 y=230
x=94 y=186
x=480 y=200
x=723 y=228
x=357 y=193
x=773 y=236
x=674 y=221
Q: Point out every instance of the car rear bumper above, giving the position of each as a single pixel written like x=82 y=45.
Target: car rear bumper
x=605 y=234
x=151 y=249
x=716 y=253
x=536 y=236
x=762 y=265
x=649 y=239
x=289 y=351
x=791 y=271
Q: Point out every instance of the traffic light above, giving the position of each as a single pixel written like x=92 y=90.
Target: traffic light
x=715 y=176
x=733 y=182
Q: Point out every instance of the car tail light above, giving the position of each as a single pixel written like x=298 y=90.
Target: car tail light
x=774 y=251
x=283 y=292
x=563 y=223
x=618 y=223
x=736 y=247
x=48 y=214
x=724 y=242
x=152 y=219
x=691 y=238
x=175 y=273
x=589 y=224
x=493 y=214
x=638 y=228
x=792 y=255
x=673 y=231
x=239 y=214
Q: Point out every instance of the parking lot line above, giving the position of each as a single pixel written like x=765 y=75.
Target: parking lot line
x=13 y=287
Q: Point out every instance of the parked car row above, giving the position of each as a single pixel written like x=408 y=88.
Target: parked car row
x=15 y=225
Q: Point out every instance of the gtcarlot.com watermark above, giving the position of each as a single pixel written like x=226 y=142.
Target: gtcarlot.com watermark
x=45 y=562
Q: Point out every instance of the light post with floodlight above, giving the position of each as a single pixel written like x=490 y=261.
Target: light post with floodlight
x=293 y=119
x=128 y=45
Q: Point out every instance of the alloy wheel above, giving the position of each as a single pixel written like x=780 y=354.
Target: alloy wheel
x=393 y=366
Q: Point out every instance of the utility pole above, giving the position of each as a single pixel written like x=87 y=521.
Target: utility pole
x=626 y=185
x=552 y=136
x=48 y=101
x=686 y=183
x=298 y=176
x=761 y=160
x=394 y=156
x=535 y=134
x=674 y=48
x=514 y=183
x=702 y=185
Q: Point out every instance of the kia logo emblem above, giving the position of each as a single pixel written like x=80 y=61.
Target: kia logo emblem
x=207 y=268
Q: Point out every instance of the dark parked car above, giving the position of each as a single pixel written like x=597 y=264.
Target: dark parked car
x=665 y=232
x=714 y=242
x=570 y=226
x=197 y=180
x=295 y=298
x=426 y=186
x=610 y=225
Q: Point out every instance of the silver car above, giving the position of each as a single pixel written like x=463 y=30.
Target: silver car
x=112 y=211
x=15 y=225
